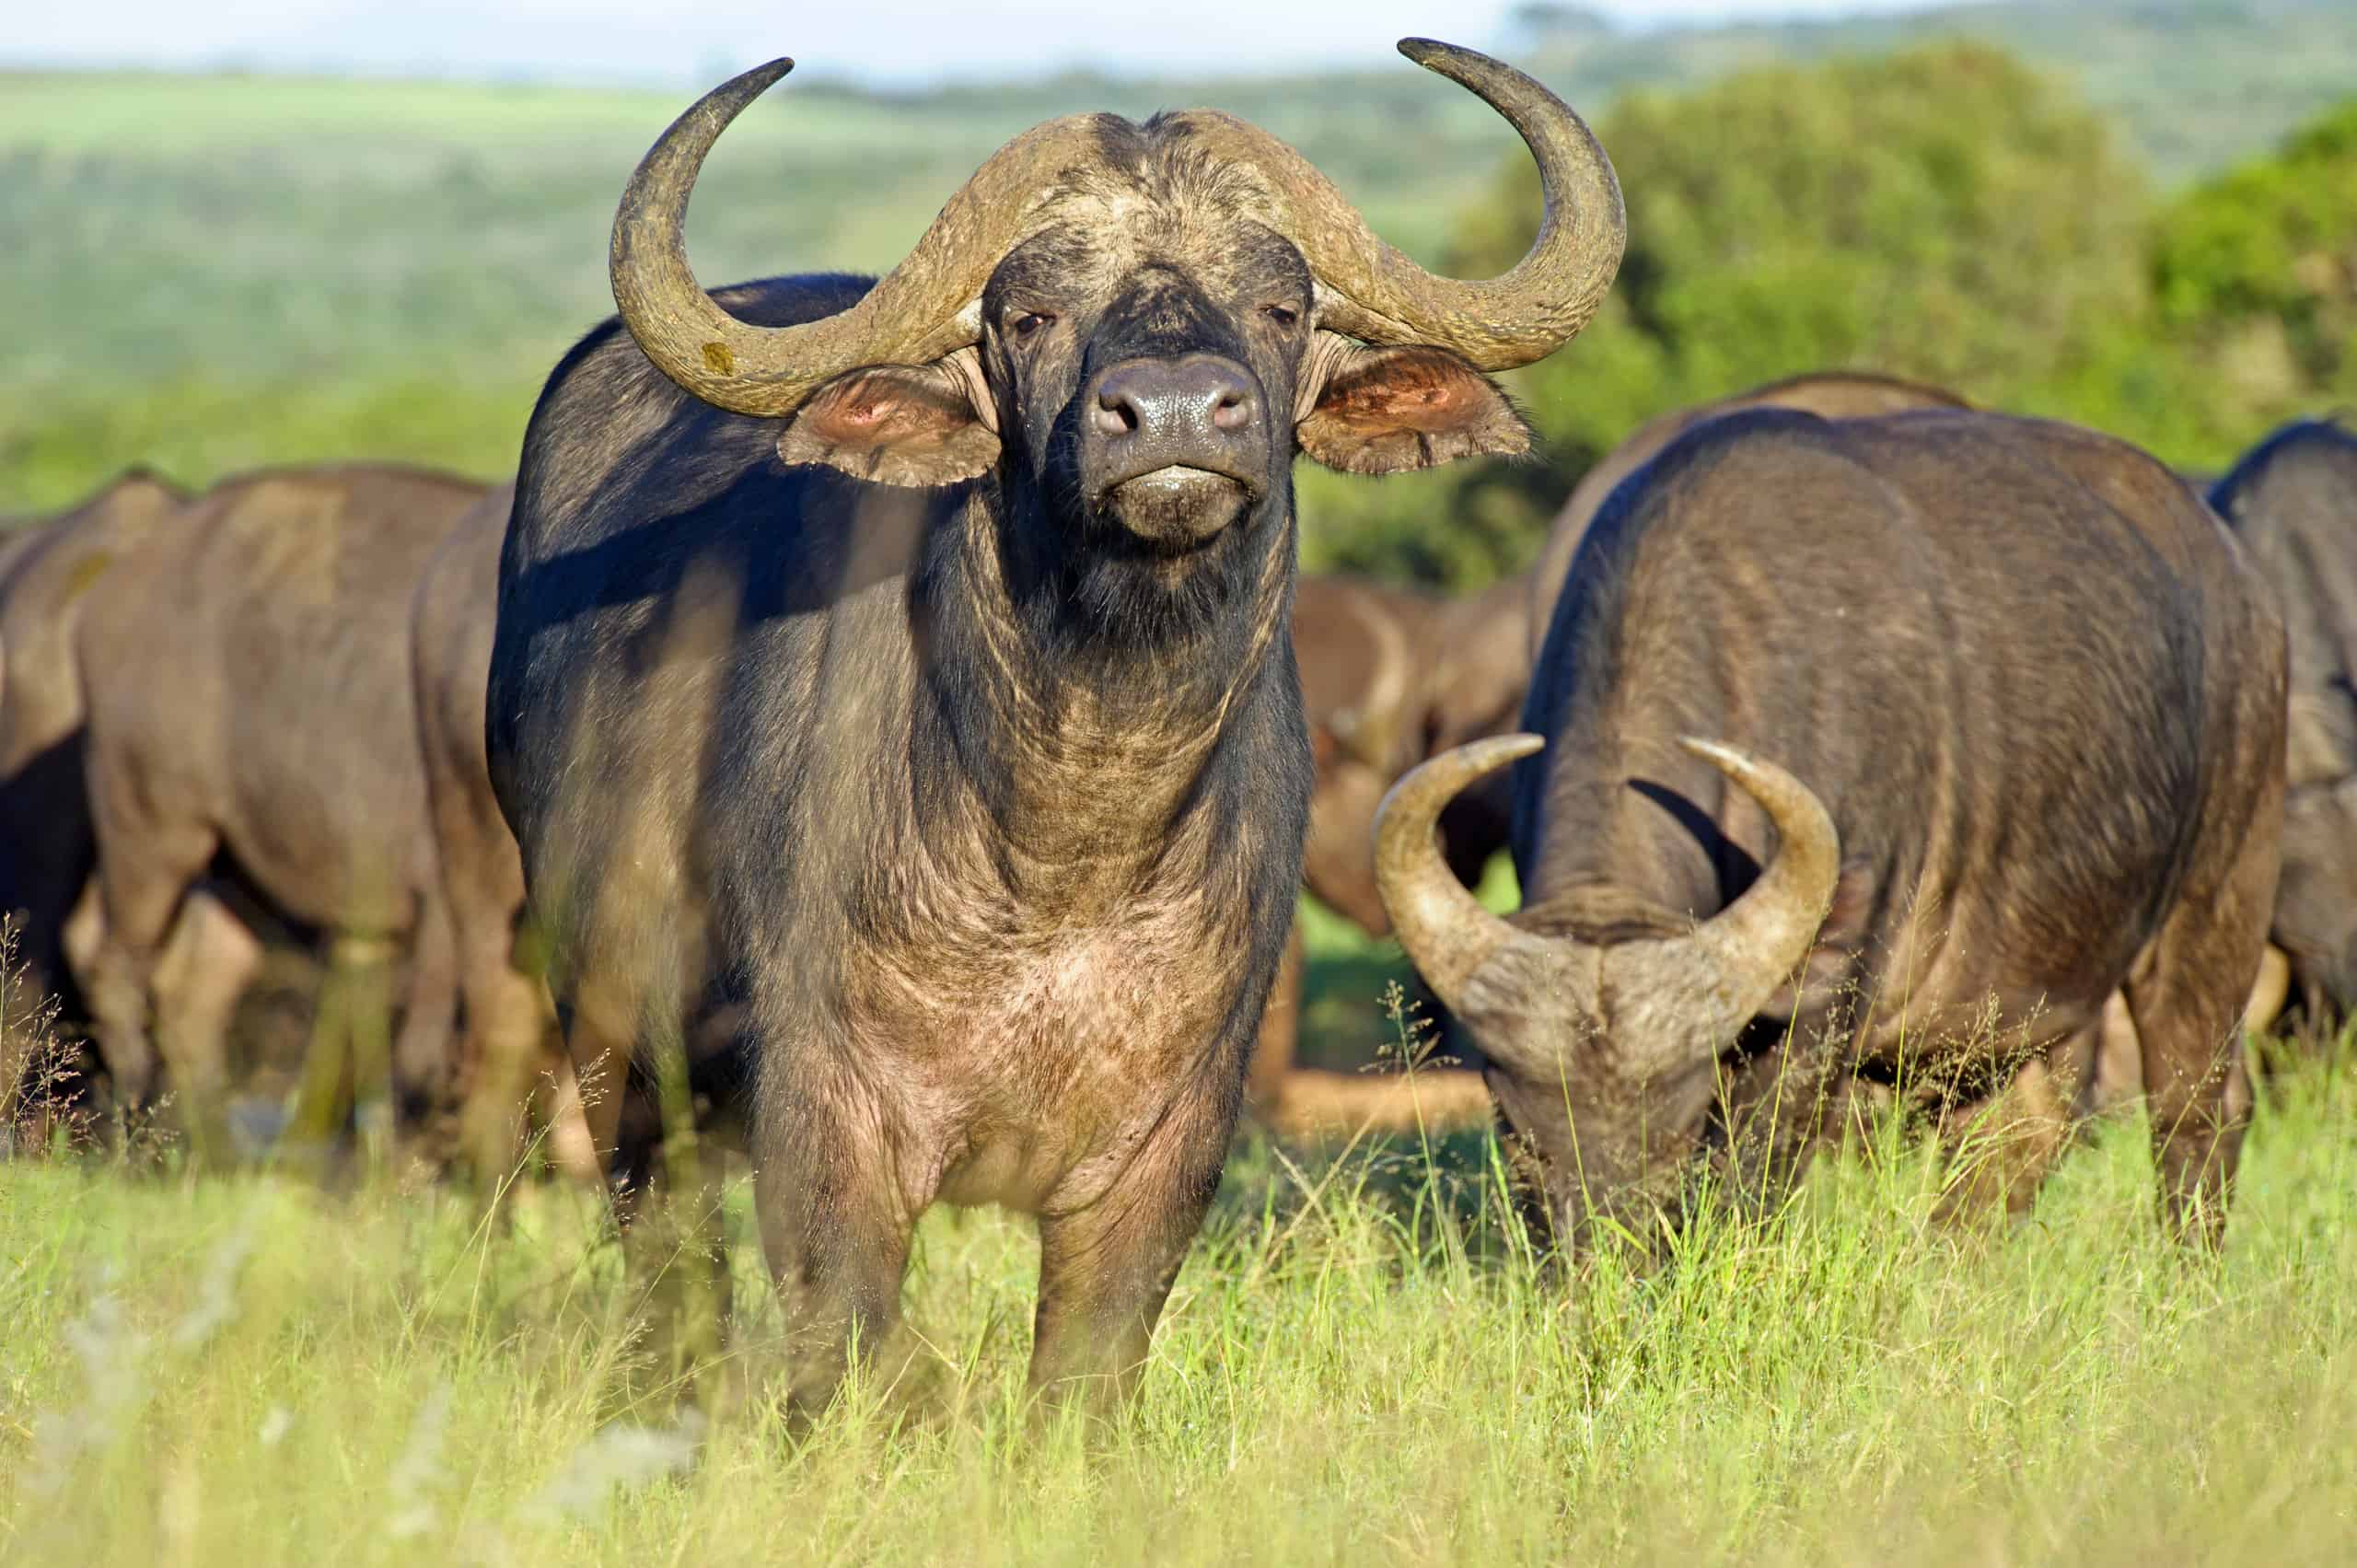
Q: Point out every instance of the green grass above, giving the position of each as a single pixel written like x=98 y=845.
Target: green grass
x=1356 y=1366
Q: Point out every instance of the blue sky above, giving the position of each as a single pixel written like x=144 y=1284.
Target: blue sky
x=897 y=41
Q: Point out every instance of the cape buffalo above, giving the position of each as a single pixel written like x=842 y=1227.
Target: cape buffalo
x=2293 y=502
x=47 y=851
x=1392 y=676
x=247 y=682
x=1889 y=746
x=903 y=666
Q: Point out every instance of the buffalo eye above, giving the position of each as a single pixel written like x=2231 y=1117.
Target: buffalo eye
x=1282 y=315
x=1029 y=323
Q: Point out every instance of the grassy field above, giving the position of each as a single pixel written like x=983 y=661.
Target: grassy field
x=1358 y=1365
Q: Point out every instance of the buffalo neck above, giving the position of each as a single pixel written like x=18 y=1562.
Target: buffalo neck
x=1081 y=709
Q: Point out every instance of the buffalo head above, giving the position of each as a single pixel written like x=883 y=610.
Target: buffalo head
x=1131 y=329
x=1603 y=1052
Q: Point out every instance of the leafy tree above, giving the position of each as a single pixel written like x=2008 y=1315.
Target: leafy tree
x=2258 y=269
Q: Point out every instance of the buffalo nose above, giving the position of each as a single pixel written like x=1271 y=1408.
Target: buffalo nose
x=1168 y=400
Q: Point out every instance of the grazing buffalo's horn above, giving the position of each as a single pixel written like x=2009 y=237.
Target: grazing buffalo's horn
x=922 y=309
x=1667 y=1000
x=1373 y=292
x=1742 y=953
x=1447 y=934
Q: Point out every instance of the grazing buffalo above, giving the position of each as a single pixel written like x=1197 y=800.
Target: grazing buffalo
x=2293 y=502
x=247 y=682
x=1888 y=747
x=509 y=1027
x=47 y=850
x=1392 y=676
x=902 y=667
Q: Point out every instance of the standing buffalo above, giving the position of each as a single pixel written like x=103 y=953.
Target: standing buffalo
x=902 y=667
x=2293 y=502
x=47 y=849
x=247 y=682
x=2029 y=695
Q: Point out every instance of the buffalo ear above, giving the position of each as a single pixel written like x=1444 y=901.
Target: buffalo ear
x=917 y=425
x=1391 y=410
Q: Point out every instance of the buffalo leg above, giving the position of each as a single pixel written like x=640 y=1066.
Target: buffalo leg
x=507 y=1035
x=209 y=958
x=836 y=1237
x=2187 y=993
x=146 y=870
x=642 y=1136
x=1106 y=1268
x=424 y=1071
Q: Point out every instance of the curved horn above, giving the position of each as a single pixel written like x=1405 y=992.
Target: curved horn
x=919 y=311
x=1668 y=998
x=1447 y=934
x=1373 y=292
x=1737 y=958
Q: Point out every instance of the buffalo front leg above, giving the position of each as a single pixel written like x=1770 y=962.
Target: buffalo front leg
x=146 y=870
x=1106 y=1268
x=424 y=1069
x=2006 y=1145
x=835 y=1232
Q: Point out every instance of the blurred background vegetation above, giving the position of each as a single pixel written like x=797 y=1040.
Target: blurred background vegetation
x=2143 y=216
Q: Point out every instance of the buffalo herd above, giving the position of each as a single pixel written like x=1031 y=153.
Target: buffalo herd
x=883 y=722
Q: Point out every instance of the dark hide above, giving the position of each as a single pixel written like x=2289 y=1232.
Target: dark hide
x=2038 y=689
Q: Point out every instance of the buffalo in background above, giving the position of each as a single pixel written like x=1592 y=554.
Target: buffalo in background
x=1886 y=748
x=247 y=681
x=2293 y=502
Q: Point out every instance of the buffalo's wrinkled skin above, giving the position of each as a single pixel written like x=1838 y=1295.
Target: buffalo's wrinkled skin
x=959 y=757
x=249 y=689
x=2037 y=690
x=2293 y=502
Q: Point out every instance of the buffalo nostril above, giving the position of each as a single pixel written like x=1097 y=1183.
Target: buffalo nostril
x=1115 y=415
x=1233 y=409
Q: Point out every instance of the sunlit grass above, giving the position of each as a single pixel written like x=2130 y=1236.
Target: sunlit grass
x=1359 y=1364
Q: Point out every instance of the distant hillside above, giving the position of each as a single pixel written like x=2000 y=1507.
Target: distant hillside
x=2195 y=84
